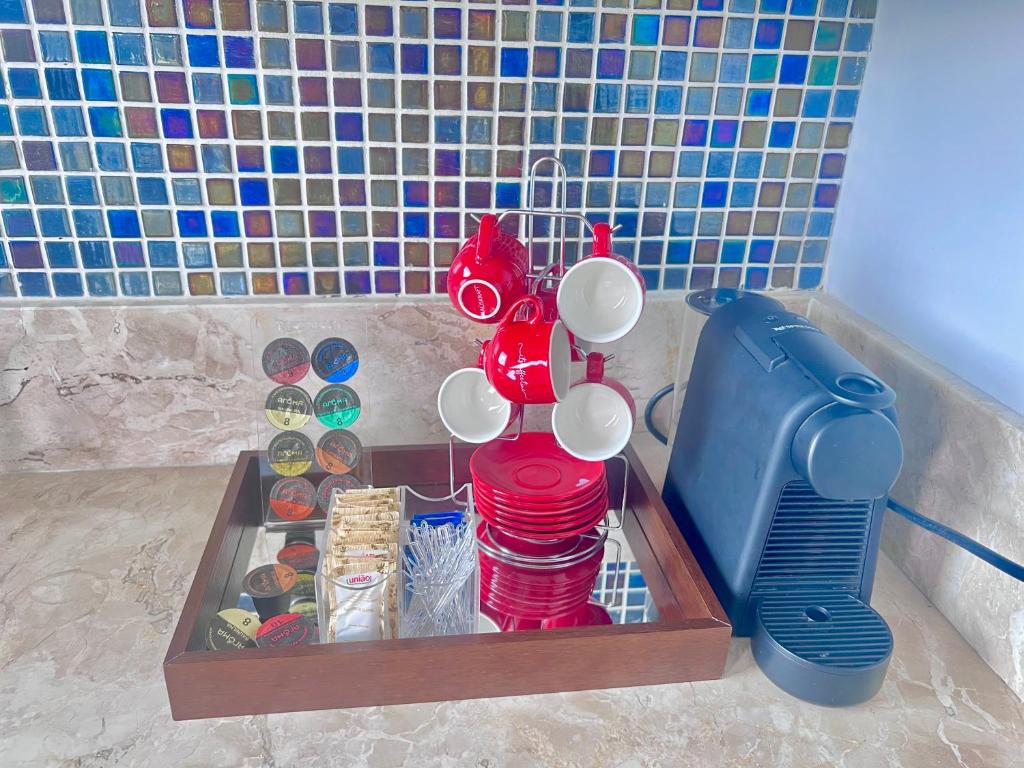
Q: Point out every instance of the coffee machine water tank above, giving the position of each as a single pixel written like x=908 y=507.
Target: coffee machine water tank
x=783 y=459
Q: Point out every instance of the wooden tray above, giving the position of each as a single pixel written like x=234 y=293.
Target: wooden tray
x=688 y=642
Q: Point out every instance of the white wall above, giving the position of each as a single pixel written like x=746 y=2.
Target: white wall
x=929 y=235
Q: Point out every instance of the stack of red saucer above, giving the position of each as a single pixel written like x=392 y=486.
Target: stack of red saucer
x=531 y=487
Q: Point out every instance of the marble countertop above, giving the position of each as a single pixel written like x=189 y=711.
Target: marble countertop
x=95 y=566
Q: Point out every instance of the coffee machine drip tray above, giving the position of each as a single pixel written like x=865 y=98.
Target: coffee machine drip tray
x=826 y=647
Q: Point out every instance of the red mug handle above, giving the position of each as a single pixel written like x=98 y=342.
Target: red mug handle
x=595 y=367
x=485 y=236
x=534 y=318
x=602 y=239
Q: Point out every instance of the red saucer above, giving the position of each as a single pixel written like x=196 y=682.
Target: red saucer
x=533 y=468
x=575 y=502
x=596 y=510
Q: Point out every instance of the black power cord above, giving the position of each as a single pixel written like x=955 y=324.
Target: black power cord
x=993 y=558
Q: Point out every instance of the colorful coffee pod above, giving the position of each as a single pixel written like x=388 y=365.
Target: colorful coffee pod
x=285 y=360
x=283 y=630
x=300 y=537
x=306 y=608
x=288 y=407
x=337 y=406
x=325 y=491
x=231 y=629
x=301 y=557
x=335 y=360
x=305 y=587
x=291 y=453
x=270 y=587
x=339 y=451
x=293 y=498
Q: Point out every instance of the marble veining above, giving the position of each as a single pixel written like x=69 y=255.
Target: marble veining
x=96 y=566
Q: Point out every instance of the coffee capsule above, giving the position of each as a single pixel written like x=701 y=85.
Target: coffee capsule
x=306 y=608
x=232 y=628
x=301 y=557
x=335 y=360
x=270 y=588
x=339 y=451
x=285 y=629
x=293 y=498
x=325 y=491
x=285 y=360
x=288 y=407
x=305 y=586
x=299 y=537
x=337 y=406
x=290 y=453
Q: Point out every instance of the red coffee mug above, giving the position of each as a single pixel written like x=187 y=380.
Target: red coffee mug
x=546 y=290
x=528 y=361
x=488 y=274
x=595 y=419
x=601 y=297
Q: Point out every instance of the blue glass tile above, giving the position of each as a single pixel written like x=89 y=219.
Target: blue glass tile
x=350 y=160
x=123 y=224
x=68 y=121
x=233 y=284
x=134 y=283
x=748 y=165
x=672 y=65
x=47 y=190
x=284 y=159
x=719 y=165
x=816 y=103
x=729 y=101
x=55 y=46
x=793 y=223
x=858 y=37
x=278 y=89
x=628 y=196
x=607 y=97
x=61 y=84
x=851 y=70
x=611 y=63
x=33 y=284
x=448 y=130
x=345 y=57
x=105 y=121
x=207 y=89
x=348 y=126
x=733 y=68
x=545 y=97
x=574 y=130
x=6 y=129
x=864 y=9
x=92 y=47
x=782 y=134
x=678 y=251
x=203 y=51
x=177 y=123
x=542 y=130
x=548 y=27
x=738 y=32
x=698 y=101
x=24 y=83
x=67 y=284
x=254 y=192
x=803 y=7
x=19 y=224
x=111 y=157
x=128 y=254
x=417 y=224
x=703 y=67
x=773 y=6
x=343 y=19
x=8 y=155
x=786 y=252
x=638 y=99
x=714 y=194
x=53 y=222
x=225 y=224
x=657 y=194
x=711 y=5
x=763 y=67
x=147 y=158
x=733 y=251
x=162 y=253
x=793 y=70
x=814 y=251
x=769 y=33
x=13 y=12
x=834 y=8
x=845 y=103
x=95 y=254
x=626 y=223
x=820 y=226
x=101 y=285
x=682 y=223
x=81 y=190
x=191 y=223
x=415 y=59
x=691 y=164
x=98 y=85
x=743 y=194
x=32 y=121
x=239 y=52
x=308 y=18
x=645 y=29
x=125 y=13
x=380 y=58
x=581 y=28
x=152 y=191
x=130 y=48
x=89 y=223
x=687 y=194
x=810 y=277
x=668 y=100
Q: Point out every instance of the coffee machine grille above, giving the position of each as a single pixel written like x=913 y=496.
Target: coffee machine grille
x=813 y=543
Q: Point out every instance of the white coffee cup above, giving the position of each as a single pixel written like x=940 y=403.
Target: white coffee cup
x=470 y=408
x=595 y=420
x=601 y=297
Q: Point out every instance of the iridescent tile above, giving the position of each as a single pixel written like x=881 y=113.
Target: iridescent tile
x=310 y=54
x=798 y=35
x=353 y=224
x=384 y=223
x=198 y=13
x=634 y=131
x=161 y=13
x=798 y=195
x=829 y=35
x=515 y=26
x=448 y=94
x=631 y=164
x=805 y=165
x=511 y=130
x=286 y=191
x=480 y=61
x=447 y=23
x=258 y=224
x=326 y=284
x=261 y=255
x=378 y=20
x=645 y=29
x=292 y=254
x=88 y=12
x=447 y=60
x=263 y=283
x=708 y=32
x=44 y=11
x=234 y=15
x=228 y=255
x=837 y=135
x=481 y=24
x=613 y=28
x=171 y=87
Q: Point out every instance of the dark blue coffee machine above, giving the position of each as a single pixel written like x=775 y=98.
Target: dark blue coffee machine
x=783 y=459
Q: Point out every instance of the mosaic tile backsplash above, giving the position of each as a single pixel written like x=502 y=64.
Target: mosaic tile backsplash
x=165 y=148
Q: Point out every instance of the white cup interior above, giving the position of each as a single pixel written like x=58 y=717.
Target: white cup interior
x=560 y=355
x=600 y=299
x=470 y=407
x=593 y=422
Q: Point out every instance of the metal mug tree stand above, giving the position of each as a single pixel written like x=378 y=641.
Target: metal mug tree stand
x=552 y=273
